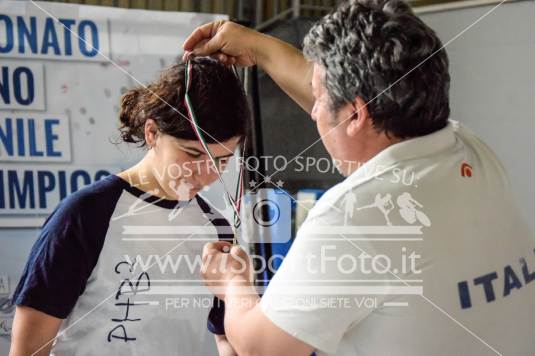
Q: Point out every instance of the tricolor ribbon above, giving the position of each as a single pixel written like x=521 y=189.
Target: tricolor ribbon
x=236 y=201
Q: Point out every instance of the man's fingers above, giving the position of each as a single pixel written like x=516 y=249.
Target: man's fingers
x=206 y=48
x=238 y=252
x=222 y=58
x=215 y=247
x=204 y=41
x=186 y=56
x=204 y=32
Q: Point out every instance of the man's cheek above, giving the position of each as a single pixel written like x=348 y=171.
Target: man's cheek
x=322 y=127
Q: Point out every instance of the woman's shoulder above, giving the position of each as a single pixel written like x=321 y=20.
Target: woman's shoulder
x=94 y=201
x=100 y=192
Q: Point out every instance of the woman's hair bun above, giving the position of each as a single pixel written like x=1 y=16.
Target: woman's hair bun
x=132 y=124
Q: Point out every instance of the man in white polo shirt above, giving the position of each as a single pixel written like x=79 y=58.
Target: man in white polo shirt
x=435 y=258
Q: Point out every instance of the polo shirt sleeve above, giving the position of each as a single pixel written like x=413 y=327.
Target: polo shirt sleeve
x=312 y=295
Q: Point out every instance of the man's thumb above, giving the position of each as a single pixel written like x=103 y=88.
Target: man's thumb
x=239 y=252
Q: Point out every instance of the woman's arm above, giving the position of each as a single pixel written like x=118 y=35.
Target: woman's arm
x=33 y=332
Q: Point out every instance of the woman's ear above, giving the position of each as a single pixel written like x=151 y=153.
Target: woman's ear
x=151 y=132
x=359 y=119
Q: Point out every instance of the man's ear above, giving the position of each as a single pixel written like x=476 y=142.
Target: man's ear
x=359 y=119
x=151 y=132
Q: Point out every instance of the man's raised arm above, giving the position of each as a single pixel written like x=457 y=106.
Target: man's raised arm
x=232 y=43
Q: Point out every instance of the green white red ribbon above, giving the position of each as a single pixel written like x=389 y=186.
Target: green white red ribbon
x=236 y=201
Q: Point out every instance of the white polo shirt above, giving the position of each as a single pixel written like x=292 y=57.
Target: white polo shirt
x=421 y=251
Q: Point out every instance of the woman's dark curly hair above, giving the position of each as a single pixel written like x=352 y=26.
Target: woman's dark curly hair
x=382 y=52
x=218 y=99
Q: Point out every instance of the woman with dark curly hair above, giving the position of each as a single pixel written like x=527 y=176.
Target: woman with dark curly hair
x=109 y=253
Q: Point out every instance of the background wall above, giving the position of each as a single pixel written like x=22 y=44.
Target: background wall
x=493 y=84
x=254 y=11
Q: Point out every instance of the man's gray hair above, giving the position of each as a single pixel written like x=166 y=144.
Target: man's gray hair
x=367 y=45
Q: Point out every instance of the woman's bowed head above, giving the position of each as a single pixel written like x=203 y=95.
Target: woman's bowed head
x=176 y=164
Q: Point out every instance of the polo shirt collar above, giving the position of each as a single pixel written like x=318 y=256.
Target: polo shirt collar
x=413 y=148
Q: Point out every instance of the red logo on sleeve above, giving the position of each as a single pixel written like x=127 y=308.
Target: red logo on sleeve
x=466 y=170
